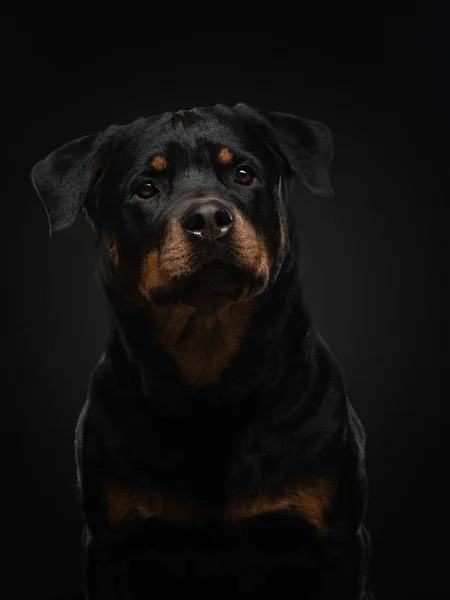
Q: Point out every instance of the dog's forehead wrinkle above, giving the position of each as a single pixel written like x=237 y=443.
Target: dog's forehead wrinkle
x=186 y=118
x=189 y=127
x=195 y=181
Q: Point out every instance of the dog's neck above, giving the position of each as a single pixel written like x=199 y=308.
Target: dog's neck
x=193 y=353
x=202 y=345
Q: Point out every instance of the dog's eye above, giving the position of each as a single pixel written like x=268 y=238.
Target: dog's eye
x=147 y=190
x=245 y=175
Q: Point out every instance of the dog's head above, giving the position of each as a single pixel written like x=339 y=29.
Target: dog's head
x=189 y=206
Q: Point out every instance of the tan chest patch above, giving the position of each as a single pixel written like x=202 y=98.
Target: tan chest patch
x=123 y=503
x=202 y=345
x=312 y=500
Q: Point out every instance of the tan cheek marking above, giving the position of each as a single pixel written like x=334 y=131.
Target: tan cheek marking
x=282 y=233
x=173 y=260
x=151 y=274
x=159 y=162
x=114 y=254
x=312 y=500
x=176 y=253
x=250 y=247
x=225 y=156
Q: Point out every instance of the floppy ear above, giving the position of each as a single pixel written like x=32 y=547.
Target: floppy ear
x=304 y=146
x=64 y=178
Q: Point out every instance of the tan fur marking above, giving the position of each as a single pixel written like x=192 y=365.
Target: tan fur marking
x=312 y=500
x=225 y=156
x=151 y=274
x=159 y=162
x=282 y=233
x=114 y=254
x=250 y=247
x=159 y=268
x=176 y=252
x=202 y=345
x=122 y=503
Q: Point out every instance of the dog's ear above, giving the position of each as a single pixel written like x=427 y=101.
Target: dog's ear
x=63 y=179
x=304 y=146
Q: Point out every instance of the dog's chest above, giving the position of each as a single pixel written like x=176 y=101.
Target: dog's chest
x=310 y=499
x=178 y=472
x=201 y=488
x=195 y=493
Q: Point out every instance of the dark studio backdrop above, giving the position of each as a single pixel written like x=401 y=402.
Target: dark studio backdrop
x=375 y=263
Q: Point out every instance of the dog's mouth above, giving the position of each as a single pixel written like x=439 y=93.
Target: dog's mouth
x=206 y=273
x=214 y=284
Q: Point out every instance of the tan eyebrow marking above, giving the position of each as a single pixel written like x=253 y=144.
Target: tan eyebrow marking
x=225 y=156
x=159 y=162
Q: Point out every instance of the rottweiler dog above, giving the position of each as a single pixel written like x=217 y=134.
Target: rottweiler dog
x=217 y=452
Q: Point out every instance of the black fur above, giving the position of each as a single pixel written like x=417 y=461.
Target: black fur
x=278 y=412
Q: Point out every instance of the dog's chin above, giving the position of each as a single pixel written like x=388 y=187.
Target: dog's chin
x=213 y=285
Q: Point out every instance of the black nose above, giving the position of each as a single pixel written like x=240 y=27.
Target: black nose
x=208 y=221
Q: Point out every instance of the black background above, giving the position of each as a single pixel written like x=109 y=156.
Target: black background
x=375 y=263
